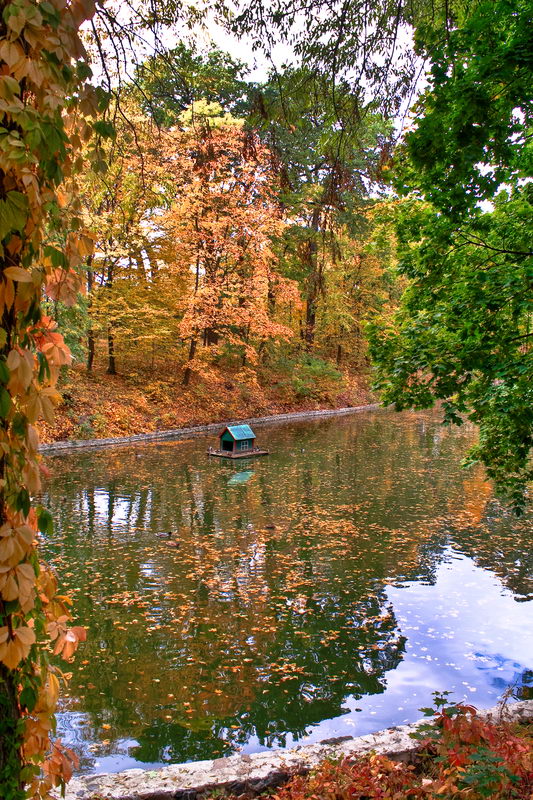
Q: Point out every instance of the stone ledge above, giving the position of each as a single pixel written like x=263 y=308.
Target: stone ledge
x=258 y=771
x=184 y=433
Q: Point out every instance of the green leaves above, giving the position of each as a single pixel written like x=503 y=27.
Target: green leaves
x=13 y=213
x=28 y=698
x=105 y=128
x=4 y=372
x=5 y=402
x=471 y=133
x=22 y=502
x=45 y=520
x=463 y=334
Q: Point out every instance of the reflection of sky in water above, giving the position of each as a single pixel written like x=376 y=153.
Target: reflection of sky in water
x=122 y=509
x=72 y=726
x=441 y=655
x=327 y=590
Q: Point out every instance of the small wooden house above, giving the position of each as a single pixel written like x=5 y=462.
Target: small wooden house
x=237 y=441
x=236 y=438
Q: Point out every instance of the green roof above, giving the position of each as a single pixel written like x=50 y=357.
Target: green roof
x=240 y=477
x=240 y=432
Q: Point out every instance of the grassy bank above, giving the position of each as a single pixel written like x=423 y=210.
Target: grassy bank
x=98 y=405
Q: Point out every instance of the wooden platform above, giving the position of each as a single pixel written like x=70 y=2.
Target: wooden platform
x=256 y=451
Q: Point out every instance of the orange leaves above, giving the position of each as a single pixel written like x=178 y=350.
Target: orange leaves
x=51 y=343
x=59 y=766
x=18 y=274
x=15 y=646
x=18 y=583
x=15 y=543
x=32 y=476
x=223 y=224
x=41 y=403
x=35 y=158
x=373 y=777
x=68 y=645
x=66 y=639
x=21 y=365
x=11 y=53
x=36 y=400
x=64 y=285
x=49 y=695
x=82 y=10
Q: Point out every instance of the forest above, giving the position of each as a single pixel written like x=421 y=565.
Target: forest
x=187 y=238
x=241 y=246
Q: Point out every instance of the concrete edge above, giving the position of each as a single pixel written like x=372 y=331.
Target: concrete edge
x=259 y=771
x=184 y=433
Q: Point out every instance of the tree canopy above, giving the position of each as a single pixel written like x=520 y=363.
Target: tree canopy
x=463 y=332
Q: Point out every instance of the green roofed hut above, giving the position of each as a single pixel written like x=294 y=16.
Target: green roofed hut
x=237 y=441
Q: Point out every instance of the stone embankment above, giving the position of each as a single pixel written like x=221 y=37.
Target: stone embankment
x=185 y=433
x=259 y=771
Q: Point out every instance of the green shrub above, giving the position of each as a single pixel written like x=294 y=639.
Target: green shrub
x=315 y=378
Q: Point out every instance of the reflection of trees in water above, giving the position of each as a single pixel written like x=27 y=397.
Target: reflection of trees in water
x=273 y=653
x=296 y=679
x=265 y=629
x=502 y=545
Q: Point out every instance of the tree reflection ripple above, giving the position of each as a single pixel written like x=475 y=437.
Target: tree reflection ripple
x=281 y=603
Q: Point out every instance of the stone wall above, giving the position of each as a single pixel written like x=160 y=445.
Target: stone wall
x=258 y=771
x=198 y=430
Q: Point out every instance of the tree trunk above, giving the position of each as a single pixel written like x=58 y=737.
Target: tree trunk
x=90 y=332
x=111 y=362
x=210 y=337
x=314 y=281
x=188 y=371
x=10 y=735
x=246 y=337
x=10 y=713
x=310 y=319
x=90 y=350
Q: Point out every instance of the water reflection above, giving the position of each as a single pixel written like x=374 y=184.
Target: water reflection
x=310 y=594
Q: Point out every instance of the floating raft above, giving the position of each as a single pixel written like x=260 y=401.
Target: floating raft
x=250 y=453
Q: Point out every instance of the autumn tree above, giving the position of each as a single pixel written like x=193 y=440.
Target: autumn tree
x=325 y=170
x=121 y=206
x=359 y=282
x=223 y=225
x=463 y=334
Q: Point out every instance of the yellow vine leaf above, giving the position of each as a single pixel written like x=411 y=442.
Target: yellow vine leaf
x=14 y=543
x=18 y=274
x=20 y=363
x=11 y=52
x=16 y=646
x=18 y=583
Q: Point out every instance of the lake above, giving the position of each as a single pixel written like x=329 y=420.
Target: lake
x=324 y=590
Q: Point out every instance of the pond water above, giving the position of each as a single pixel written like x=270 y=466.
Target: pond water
x=325 y=590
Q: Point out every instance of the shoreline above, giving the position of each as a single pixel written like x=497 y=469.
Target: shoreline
x=54 y=448
x=259 y=771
